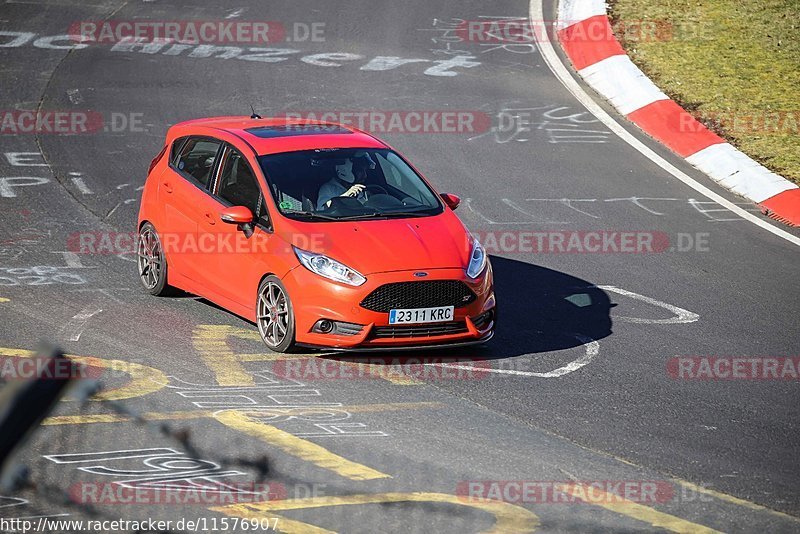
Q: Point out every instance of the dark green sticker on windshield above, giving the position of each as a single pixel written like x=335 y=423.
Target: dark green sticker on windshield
x=285 y=205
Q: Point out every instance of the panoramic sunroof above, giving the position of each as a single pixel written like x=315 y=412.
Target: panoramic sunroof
x=291 y=130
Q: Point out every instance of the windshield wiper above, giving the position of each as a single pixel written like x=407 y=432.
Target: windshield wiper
x=310 y=215
x=421 y=213
x=386 y=214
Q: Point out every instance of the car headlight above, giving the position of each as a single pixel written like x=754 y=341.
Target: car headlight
x=329 y=268
x=477 y=260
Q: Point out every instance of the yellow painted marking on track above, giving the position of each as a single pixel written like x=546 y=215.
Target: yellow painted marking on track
x=119 y=418
x=509 y=518
x=4 y=299
x=84 y=419
x=200 y=414
x=211 y=341
x=144 y=379
x=300 y=448
x=615 y=503
x=734 y=500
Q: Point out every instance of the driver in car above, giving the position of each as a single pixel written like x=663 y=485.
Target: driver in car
x=348 y=182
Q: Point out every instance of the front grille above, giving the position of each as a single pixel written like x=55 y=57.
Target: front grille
x=405 y=295
x=419 y=330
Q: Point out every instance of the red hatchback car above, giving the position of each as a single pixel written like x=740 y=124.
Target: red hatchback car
x=319 y=233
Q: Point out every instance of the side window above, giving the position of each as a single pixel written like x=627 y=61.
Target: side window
x=177 y=144
x=239 y=186
x=197 y=158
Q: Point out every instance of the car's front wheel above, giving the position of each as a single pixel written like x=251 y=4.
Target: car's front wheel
x=275 y=315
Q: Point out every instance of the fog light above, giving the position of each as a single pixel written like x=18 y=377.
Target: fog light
x=483 y=320
x=325 y=326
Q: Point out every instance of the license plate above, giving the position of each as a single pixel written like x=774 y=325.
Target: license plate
x=421 y=315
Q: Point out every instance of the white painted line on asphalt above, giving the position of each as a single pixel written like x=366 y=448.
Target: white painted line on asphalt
x=539 y=27
x=110 y=213
x=468 y=202
x=77 y=179
x=7 y=184
x=71 y=259
x=681 y=316
x=592 y=350
x=74 y=328
x=512 y=205
x=99 y=456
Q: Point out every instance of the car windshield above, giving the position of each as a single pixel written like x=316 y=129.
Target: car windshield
x=347 y=184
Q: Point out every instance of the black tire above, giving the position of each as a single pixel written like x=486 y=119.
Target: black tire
x=275 y=315
x=151 y=262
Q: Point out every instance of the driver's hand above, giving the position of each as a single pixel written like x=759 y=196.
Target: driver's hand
x=354 y=190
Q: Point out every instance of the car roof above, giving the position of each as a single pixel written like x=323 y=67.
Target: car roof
x=275 y=135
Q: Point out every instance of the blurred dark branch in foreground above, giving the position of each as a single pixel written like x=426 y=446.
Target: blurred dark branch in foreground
x=25 y=403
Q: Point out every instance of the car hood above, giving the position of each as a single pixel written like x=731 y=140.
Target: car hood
x=385 y=245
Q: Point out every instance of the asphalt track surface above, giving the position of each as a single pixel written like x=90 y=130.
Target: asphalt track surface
x=618 y=417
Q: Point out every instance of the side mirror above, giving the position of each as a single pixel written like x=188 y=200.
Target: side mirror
x=236 y=215
x=451 y=200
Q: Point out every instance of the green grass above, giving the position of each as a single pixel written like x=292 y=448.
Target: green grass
x=723 y=59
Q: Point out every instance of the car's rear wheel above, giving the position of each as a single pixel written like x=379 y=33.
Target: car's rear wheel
x=275 y=315
x=151 y=261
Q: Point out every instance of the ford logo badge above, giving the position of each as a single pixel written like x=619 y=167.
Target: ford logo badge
x=420 y=274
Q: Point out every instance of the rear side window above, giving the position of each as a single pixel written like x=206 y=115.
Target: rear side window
x=239 y=186
x=197 y=158
x=177 y=144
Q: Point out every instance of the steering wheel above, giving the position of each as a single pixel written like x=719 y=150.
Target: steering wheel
x=374 y=186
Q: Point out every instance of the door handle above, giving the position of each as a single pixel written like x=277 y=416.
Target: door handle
x=210 y=219
x=167 y=187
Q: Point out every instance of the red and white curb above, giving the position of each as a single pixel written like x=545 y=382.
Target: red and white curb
x=588 y=40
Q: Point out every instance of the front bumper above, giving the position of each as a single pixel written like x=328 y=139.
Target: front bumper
x=392 y=347
x=314 y=298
